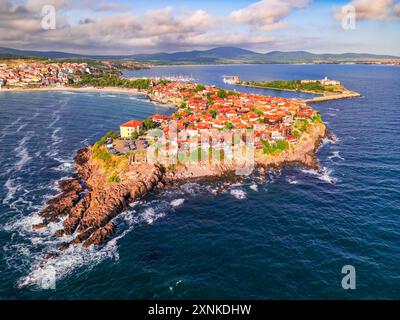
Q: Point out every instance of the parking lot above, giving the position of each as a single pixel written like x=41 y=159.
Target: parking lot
x=124 y=146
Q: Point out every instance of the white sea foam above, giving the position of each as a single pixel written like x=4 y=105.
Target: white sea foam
x=292 y=181
x=177 y=202
x=6 y=131
x=11 y=190
x=44 y=271
x=150 y=216
x=254 y=187
x=56 y=117
x=22 y=152
x=22 y=126
x=334 y=139
x=23 y=224
x=191 y=188
x=324 y=175
x=66 y=165
x=238 y=194
x=336 y=155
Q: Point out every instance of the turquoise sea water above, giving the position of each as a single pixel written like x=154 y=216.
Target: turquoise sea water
x=287 y=237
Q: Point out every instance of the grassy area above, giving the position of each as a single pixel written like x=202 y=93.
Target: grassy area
x=297 y=85
x=278 y=147
x=111 y=165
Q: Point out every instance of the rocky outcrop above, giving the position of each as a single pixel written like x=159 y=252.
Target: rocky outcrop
x=62 y=204
x=89 y=203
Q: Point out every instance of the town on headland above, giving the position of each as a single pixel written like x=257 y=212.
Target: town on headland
x=212 y=133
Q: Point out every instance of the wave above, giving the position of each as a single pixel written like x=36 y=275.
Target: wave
x=336 y=155
x=56 y=117
x=238 y=194
x=11 y=190
x=64 y=167
x=44 y=273
x=56 y=139
x=21 y=127
x=254 y=187
x=292 y=181
x=22 y=153
x=324 y=174
x=5 y=131
x=177 y=202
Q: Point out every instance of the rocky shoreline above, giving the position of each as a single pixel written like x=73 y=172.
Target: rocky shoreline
x=88 y=202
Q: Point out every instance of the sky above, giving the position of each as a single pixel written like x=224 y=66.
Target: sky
x=139 y=26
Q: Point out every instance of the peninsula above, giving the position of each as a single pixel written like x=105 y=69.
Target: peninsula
x=213 y=133
x=326 y=89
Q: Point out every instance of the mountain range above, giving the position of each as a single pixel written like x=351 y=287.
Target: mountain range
x=221 y=55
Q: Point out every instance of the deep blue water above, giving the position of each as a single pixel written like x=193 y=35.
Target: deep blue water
x=288 y=237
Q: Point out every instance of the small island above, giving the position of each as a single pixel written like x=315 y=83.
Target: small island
x=327 y=89
x=212 y=134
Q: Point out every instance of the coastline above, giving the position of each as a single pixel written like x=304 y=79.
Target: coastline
x=79 y=89
x=320 y=97
x=89 y=202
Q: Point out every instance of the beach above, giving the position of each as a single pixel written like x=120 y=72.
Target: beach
x=80 y=89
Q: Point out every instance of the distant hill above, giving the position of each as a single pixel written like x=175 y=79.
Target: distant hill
x=222 y=55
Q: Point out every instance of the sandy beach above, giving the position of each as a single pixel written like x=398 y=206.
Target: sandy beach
x=80 y=89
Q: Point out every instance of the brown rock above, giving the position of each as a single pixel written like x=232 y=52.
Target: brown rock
x=39 y=226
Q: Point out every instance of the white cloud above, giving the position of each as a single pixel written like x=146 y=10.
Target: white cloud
x=116 y=33
x=267 y=14
x=373 y=10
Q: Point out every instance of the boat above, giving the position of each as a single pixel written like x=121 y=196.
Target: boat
x=231 y=79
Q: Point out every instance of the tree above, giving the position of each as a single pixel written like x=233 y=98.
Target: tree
x=229 y=126
x=112 y=134
x=134 y=135
x=149 y=124
x=222 y=94
x=213 y=113
x=200 y=87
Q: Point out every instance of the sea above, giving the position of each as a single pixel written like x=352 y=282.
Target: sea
x=287 y=237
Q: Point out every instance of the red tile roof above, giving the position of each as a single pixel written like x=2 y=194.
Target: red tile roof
x=132 y=123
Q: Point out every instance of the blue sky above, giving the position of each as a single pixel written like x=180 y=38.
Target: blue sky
x=126 y=27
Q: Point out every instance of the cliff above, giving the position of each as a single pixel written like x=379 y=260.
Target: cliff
x=89 y=202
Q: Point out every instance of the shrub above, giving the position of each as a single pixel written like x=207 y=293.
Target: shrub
x=183 y=105
x=278 y=147
x=134 y=135
x=200 y=87
x=114 y=179
x=112 y=134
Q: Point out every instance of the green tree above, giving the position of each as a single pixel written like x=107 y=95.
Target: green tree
x=134 y=135
x=200 y=87
x=222 y=94
x=149 y=124
x=229 y=126
x=213 y=113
